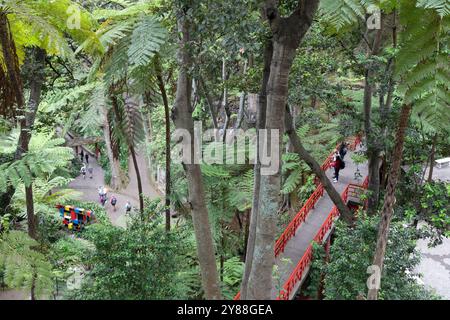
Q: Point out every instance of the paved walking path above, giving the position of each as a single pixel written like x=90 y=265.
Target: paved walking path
x=89 y=188
x=435 y=267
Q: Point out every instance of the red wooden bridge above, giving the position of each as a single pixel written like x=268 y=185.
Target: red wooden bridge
x=314 y=223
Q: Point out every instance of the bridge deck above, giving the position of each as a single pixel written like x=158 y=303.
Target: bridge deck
x=297 y=245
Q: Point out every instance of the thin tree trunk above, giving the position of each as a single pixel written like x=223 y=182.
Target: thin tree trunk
x=114 y=163
x=33 y=286
x=432 y=157
x=225 y=105
x=182 y=117
x=138 y=177
x=212 y=109
x=373 y=149
x=240 y=115
x=246 y=233
x=389 y=199
x=315 y=167
x=260 y=124
x=163 y=92
x=287 y=34
x=129 y=132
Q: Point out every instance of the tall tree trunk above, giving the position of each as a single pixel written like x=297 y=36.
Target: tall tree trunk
x=389 y=199
x=182 y=117
x=315 y=167
x=138 y=177
x=373 y=148
x=287 y=34
x=432 y=157
x=131 y=114
x=26 y=127
x=162 y=90
x=13 y=91
x=260 y=124
x=116 y=174
x=11 y=61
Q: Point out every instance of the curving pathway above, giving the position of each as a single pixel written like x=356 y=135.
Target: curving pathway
x=89 y=188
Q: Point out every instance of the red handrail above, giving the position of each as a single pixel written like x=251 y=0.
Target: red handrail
x=296 y=275
x=301 y=216
x=304 y=262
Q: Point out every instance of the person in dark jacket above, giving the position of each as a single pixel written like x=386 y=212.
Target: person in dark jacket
x=343 y=149
x=87 y=157
x=82 y=155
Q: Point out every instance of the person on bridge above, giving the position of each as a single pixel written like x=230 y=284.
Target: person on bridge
x=87 y=157
x=337 y=164
x=343 y=149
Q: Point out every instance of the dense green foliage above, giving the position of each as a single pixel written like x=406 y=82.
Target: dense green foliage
x=114 y=79
x=351 y=254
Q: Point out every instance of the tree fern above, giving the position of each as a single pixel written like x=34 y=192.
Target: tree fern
x=442 y=7
x=133 y=123
x=45 y=155
x=23 y=266
x=241 y=192
x=422 y=62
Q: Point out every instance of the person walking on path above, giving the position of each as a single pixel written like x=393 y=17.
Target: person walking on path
x=128 y=207
x=87 y=157
x=102 y=195
x=104 y=198
x=337 y=164
x=114 y=202
x=82 y=155
x=91 y=172
x=83 y=171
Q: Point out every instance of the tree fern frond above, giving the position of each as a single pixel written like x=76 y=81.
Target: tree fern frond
x=338 y=14
x=147 y=37
x=124 y=13
x=133 y=122
x=442 y=7
x=422 y=65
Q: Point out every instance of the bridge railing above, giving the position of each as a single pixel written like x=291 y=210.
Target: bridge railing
x=301 y=216
x=321 y=235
